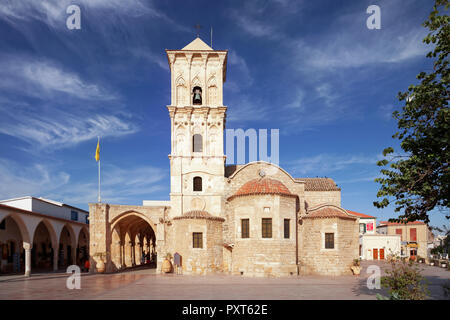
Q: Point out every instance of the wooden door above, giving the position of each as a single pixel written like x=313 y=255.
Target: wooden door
x=375 y=254
x=381 y=254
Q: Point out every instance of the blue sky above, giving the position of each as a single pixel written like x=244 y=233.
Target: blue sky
x=309 y=68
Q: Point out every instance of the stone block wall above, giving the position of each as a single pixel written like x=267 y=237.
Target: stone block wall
x=258 y=256
x=315 y=259
x=205 y=260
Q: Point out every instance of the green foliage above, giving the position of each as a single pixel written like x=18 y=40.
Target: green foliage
x=404 y=281
x=446 y=288
x=419 y=180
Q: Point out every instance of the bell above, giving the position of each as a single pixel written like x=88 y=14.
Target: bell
x=197 y=97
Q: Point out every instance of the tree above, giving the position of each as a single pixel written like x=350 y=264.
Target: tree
x=418 y=180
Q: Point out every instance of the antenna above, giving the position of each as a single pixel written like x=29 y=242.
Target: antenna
x=211 y=36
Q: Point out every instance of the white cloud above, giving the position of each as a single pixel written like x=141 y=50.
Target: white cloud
x=67 y=112
x=65 y=130
x=53 y=12
x=44 y=78
x=238 y=63
x=158 y=59
x=355 y=50
x=327 y=163
x=118 y=185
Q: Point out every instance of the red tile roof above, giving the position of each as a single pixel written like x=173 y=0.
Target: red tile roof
x=400 y=223
x=262 y=186
x=328 y=212
x=319 y=184
x=361 y=215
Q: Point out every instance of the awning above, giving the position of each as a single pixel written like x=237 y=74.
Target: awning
x=412 y=245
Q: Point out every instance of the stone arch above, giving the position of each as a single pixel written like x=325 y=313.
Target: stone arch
x=82 y=246
x=24 y=231
x=255 y=163
x=129 y=213
x=131 y=227
x=67 y=246
x=44 y=250
x=212 y=91
x=181 y=91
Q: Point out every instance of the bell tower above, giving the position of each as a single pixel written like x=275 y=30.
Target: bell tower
x=197 y=117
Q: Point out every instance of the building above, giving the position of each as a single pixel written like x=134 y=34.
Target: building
x=42 y=235
x=367 y=224
x=252 y=220
x=414 y=237
x=372 y=245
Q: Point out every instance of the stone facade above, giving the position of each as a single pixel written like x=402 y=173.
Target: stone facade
x=249 y=220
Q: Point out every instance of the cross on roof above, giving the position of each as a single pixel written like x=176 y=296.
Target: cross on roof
x=198 y=27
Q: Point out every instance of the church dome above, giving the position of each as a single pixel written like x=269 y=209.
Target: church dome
x=261 y=187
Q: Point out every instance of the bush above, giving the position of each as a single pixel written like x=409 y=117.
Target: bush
x=404 y=282
x=446 y=288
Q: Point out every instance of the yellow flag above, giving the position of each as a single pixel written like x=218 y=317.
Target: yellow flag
x=97 y=152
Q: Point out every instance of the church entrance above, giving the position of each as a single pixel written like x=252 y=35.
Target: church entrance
x=133 y=243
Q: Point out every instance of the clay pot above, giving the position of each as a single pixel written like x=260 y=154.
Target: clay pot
x=166 y=266
x=100 y=266
x=356 y=270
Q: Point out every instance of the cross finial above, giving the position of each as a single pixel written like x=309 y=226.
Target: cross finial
x=198 y=27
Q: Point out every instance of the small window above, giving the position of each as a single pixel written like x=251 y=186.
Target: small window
x=197 y=184
x=286 y=228
x=362 y=228
x=74 y=215
x=197 y=143
x=329 y=240
x=3 y=224
x=267 y=227
x=245 y=232
x=86 y=217
x=413 y=234
x=197 y=238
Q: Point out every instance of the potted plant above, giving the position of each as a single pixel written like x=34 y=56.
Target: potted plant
x=356 y=267
x=167 y=264
x=100 y=266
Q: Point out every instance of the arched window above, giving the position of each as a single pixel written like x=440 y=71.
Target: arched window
x=197 y=143
x=197 y=184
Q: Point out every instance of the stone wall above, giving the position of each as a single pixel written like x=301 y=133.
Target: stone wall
x=258 y=256
x=314 y=198
x=205 y=260
x=315 y=259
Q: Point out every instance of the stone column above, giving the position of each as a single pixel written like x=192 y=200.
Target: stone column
x=27 y=248
x=55 y=259
x=133 y=254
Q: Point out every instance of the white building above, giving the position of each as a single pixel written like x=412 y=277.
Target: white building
x=367 y=224
x=41 y=234
x=379 y=246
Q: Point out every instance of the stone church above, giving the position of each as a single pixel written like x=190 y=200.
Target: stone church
x=251 y=220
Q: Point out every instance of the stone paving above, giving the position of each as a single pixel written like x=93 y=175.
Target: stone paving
x=145 y=284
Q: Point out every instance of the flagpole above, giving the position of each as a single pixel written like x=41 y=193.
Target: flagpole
x=99 y=197
x=99 y=194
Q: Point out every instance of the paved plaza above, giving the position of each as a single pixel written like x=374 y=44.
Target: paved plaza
x=145 y=284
